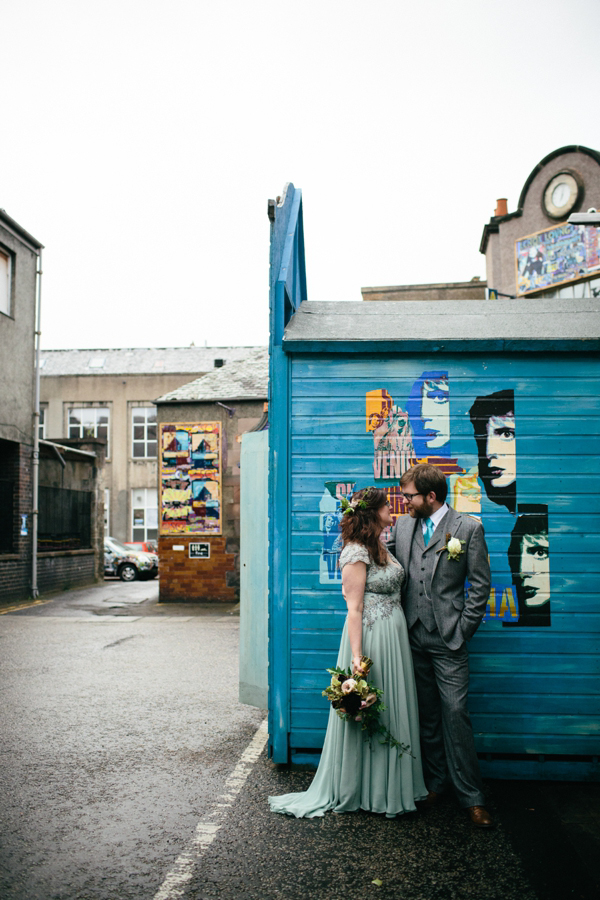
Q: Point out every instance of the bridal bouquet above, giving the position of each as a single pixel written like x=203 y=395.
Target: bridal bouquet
x=357 y=700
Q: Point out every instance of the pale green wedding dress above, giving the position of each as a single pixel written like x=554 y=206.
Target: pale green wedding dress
x=355 y=773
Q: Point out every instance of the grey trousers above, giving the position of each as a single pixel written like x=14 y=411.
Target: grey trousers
x=447 y=744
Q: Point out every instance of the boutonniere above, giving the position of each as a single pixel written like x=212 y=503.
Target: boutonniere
x=453 y=546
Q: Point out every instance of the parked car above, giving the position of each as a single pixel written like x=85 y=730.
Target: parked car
x=127 y=563
x=144 y=546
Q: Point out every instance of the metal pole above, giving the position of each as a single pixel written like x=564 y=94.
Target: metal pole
x=36 y=434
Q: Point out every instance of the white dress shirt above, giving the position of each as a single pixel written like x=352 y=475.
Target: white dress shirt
x=436 y=517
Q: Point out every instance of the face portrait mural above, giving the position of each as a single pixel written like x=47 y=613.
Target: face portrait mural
x=428 y=407
x=529 y=561
x=493 y=420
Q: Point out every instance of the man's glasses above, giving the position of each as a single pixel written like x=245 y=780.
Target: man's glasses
x=410 y=496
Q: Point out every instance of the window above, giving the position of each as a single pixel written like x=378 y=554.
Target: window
x=144 y=432
x=42 y=425
x=106 y=511
x=89 y=422
x=144 y=514
x=5 y=281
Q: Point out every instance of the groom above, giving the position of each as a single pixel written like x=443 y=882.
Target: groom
x=439 y=550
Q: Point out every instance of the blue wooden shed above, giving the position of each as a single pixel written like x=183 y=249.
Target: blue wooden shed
x=505 y=398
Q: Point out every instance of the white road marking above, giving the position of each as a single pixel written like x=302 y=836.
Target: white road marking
x=207 y=829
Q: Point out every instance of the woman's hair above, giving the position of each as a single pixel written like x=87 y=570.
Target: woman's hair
x=363 y=526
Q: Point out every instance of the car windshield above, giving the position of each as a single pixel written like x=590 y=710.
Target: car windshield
x=136 y=546
x=117 y=545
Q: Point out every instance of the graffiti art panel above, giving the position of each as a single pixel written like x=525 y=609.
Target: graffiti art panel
x=190 y=477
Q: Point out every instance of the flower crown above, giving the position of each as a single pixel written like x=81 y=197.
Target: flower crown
x=348 y=506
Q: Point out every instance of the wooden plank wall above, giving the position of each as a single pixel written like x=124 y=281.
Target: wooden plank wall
x=534 y=690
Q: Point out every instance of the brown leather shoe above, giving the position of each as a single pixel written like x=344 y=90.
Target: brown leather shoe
x=430 y=800
x=480 y=817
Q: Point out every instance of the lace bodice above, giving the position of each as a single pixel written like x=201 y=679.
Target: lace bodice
x=382 y=588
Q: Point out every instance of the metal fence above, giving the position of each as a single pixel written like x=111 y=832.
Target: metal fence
x=65 y=520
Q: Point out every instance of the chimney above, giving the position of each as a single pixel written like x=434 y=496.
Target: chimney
x=501 y=207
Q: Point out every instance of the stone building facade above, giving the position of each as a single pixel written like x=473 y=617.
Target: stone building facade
x=523 y=247
x=235 y=399
x=19 y=253
x=110 y=394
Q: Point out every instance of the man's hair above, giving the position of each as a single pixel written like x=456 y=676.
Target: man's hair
x=427 y=478
x=500 y=403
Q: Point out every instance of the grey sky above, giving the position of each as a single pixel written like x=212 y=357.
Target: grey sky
x=142 y=140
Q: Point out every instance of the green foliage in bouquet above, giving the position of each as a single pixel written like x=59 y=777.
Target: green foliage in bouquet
x=357 y=700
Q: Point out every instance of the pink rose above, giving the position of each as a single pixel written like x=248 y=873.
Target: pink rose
x=348 y=685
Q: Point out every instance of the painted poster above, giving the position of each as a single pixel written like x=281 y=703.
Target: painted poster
x=190 y=475
x=330 y=517
x=556 y=256
x=482 y=482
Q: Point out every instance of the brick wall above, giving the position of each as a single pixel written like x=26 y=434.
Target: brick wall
x=185 y=580
x=197 y=580
x=15 y=567
x=65 y=570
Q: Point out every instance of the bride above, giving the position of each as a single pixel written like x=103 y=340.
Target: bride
x=354 y=772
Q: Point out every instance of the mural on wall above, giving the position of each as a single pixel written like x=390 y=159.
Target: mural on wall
x=528 y=556
x=330 y=516
x=190 y=475
x=428 y=407
x=556 y=256
x=493 y=420
x=482 y=483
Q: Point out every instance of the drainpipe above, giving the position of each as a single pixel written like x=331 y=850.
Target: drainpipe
x=36 y=434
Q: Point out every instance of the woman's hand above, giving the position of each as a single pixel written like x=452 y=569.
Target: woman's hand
x=356 y=660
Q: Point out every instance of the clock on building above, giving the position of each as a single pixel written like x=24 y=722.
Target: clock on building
x=561 y=194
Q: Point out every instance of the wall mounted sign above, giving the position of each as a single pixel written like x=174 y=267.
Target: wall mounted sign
x=556 y=256
x=190 y=474
x=200 y=551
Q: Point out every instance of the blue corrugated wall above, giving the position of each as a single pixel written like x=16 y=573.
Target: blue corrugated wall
x=534 y=688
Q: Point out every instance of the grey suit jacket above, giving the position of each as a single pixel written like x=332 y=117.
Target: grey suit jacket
x=457 y=613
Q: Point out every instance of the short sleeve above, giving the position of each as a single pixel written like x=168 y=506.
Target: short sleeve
x=354 y=553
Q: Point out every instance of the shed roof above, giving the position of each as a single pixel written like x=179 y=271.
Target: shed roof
x=528 y=323
x=138 y=360
x=245 y=379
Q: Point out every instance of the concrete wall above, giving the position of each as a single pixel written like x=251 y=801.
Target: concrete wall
x=181 y=578
x=500 y=252
x=122 y=473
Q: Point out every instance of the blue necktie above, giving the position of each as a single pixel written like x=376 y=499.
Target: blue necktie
x=428 y=531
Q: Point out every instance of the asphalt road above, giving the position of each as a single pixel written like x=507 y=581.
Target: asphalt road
x=129 y=771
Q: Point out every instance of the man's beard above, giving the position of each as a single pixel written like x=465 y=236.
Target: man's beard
x=424 y=512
